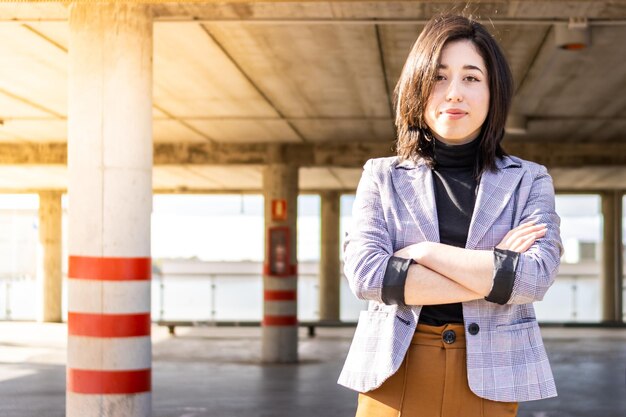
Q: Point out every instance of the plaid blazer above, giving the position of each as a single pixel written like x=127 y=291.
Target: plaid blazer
x=395 y=207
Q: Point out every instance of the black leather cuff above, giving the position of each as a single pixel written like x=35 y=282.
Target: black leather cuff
x=505 y=264
x=395 y=280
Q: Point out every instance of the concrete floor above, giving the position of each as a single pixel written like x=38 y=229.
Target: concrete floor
x=215 y=372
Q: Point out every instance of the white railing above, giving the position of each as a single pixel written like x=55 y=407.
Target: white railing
x=238 y=297
x=235 y=297
x=192 y=297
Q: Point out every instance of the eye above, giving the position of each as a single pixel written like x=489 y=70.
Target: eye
x=439 y=77
x=471 y=78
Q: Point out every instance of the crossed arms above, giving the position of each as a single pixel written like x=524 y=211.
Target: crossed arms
x=447 y=274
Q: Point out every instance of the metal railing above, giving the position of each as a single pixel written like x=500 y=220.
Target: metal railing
x=238 y=296
x=234 y=297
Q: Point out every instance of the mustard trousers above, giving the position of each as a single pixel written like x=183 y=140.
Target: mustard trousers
x=432 y=381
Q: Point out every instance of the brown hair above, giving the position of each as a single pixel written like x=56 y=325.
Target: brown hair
x=416 y=83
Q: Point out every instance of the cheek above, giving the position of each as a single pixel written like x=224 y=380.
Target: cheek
x=484 y=101
x=480 y=106
x=429 y=112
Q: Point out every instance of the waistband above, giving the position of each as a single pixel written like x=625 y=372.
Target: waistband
x=427 y=335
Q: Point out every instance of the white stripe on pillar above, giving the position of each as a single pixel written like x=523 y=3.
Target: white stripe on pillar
x=113 y=297
x=110 y=405
x=109 y=353
x=280 y=284
x=280 y=308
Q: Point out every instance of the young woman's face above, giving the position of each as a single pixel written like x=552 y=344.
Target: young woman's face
x=459 y=103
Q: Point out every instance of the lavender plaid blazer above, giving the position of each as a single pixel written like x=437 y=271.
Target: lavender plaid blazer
x=395 y=207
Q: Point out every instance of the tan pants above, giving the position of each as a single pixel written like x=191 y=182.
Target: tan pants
x=432 y=382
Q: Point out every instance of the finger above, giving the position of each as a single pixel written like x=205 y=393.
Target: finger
x=532 y=232
x=528 y=223
x=527 y=228
x=522 y=234
x=522 y=245
x=525 y=246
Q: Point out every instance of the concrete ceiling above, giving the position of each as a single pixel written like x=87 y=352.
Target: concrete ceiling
x=314 y=73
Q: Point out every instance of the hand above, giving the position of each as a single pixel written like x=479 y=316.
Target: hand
x=414 y=251
x=522 y=237
x=404 y=253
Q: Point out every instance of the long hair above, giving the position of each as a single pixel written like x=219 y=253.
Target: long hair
x=411 y=94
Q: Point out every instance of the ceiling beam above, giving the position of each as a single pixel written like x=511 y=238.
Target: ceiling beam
x=376 y=12
x=570 y=155
x=349 y=155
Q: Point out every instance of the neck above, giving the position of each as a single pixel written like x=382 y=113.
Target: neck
x=456 y=156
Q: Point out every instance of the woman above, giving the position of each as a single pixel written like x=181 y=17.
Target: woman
x=451 y=242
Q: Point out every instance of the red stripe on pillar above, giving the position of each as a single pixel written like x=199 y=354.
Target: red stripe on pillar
x=290 y=295
x=109 y=269
x=291 y=270
x=109 y=382
x=108 y=325
x=280 y=321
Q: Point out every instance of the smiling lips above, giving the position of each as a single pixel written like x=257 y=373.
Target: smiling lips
x=454 y=114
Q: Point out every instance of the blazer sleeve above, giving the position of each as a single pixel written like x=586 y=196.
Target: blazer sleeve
x=368 y=247
x=537 y=267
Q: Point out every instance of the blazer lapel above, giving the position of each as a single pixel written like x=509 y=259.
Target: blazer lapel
x=414 y=186
x=494 y=192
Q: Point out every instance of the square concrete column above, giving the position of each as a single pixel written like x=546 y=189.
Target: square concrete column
x=109 y=359
x=49 y=273
x=280 y=275
x=612 y=259
x=329 y=257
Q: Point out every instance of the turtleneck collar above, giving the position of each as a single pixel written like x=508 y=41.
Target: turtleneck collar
x=456 y=156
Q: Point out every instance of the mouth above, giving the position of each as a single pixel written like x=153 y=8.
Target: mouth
x=454 y=114
x=454 y=111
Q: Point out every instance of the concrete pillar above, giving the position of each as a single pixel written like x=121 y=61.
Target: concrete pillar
x=49 y=273
x=280 y=275
x=612 y=262
x=110 y=201
x=329 y=259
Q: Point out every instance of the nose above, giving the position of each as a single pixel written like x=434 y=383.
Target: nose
x=454 y=92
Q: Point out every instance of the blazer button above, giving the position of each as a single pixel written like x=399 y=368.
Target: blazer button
x=473 y=329
x=449 y=336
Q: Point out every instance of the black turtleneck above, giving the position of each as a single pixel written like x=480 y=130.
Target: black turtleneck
x=454 y=186
x=455 y=194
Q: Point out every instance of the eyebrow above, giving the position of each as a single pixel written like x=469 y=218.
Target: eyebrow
x=470 y=67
